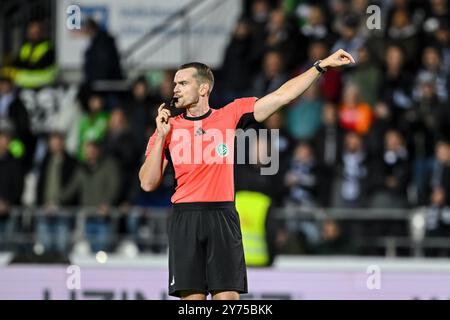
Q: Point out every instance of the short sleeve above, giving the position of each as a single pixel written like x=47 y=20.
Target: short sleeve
x=239 y=107
x=150 y=143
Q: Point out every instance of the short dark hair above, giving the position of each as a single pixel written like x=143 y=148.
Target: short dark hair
x=204 y=73
x=59 y=133
x=7 y=127
x=443 y=140
x=90 y=24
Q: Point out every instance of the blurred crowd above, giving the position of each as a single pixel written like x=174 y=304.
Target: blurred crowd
x=375 y=134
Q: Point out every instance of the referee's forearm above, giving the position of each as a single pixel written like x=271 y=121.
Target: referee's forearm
x=151 y=171
x=295 y=87
x=289 y=91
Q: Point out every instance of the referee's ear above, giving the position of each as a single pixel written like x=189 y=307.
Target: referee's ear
x=204 y=89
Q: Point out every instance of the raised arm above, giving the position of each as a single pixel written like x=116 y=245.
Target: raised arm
x=295 y=87
x=155 y=164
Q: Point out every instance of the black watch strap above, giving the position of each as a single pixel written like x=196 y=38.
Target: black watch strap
x=319 y=68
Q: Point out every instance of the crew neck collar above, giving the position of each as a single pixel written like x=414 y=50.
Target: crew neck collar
x=199 y=117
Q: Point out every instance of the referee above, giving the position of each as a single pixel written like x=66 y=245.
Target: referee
x=205 y=243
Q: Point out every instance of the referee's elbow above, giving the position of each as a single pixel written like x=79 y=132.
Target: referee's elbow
x=148 y=187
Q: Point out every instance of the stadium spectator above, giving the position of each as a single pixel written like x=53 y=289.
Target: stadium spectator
x=284 y=37
x=302 y=181
x=390 y=173
x=432 y=67
x=367 y=75
x=417 y=12
x=381 y=124
x=283 y=146
x=93 y=124
x=438 y=212
x=354 y=113
x=328 y=147
x=272 y=75
x=301 y=177
x=438 y=11
x=441 y=40
x=332 y=240
x=120 y=143
x=101 y=58
x=352 y=175
x=254 y=202
x=425 y=122
x=338 y=11
x=437 y=222
x=13 y=109
x=330 y=83
x=97 y=184
x=350 y=40
x=140 y=109
x=237 y=60
x=53 y=223
x=403 y=32
x=359 y=8
x=439 y=177
x=315 y=27
x=35 y=63
x=303 y=116
x=259 y=16
x=11 y=177
x=396 y=83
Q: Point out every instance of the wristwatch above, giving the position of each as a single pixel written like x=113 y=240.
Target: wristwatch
x=319 y=68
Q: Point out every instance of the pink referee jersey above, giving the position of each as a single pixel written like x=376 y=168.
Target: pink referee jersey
x=202 y=152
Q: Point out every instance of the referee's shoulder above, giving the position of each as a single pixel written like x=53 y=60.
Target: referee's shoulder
x=176 y=118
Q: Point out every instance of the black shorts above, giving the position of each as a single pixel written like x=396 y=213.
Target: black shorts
x=205 y=249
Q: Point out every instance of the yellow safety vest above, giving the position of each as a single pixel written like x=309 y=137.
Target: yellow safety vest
x=253 y=208
x=27 y=78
